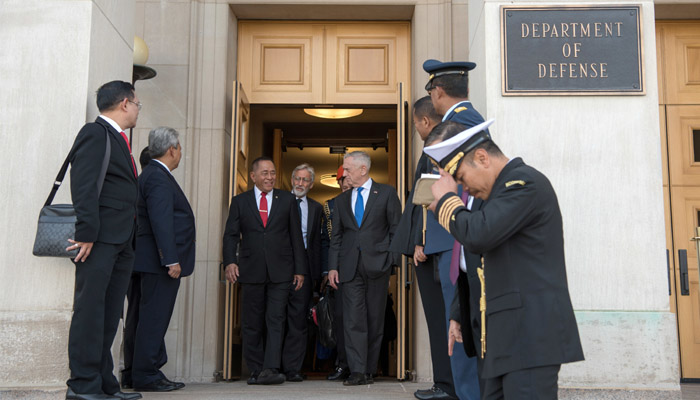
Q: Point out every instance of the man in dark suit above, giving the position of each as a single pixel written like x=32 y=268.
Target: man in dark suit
x=265 y=223
x=104 y=235
x=428 y=246
x=165 y=252
x=527 y=323
x=341 y=370
x=364 y=222
x=133 y=296
x=298 y=308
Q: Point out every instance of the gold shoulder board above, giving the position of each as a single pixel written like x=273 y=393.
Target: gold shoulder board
x=518 y=182
x=460 y=109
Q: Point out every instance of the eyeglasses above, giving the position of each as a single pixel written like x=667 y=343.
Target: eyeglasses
x=299 y=179
x=139 y=105
x=430 y=87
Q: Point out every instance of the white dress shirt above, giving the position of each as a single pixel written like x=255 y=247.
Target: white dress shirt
x=112 y=123
x=365 y=194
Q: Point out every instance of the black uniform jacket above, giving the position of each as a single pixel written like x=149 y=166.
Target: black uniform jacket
x=166 y=229
x=529 y=317
x=371 y=240
x=276 y=250
x=111 y=218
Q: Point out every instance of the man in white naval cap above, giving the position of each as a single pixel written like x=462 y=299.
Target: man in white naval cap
x=526 y=324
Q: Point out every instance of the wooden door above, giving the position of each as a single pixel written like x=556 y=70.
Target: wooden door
x=683 y=135
x=238 y=183
x=678 y=55
x=404 y=300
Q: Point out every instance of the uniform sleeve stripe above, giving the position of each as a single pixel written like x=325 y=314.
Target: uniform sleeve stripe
x=448 y=208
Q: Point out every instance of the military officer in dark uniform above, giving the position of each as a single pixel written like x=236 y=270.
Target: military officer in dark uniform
x=528 y=327
x=448 y=88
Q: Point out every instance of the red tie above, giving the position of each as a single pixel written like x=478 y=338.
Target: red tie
x=133 y=164
x=263 y=208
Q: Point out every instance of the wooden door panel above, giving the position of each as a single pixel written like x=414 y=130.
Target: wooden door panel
x=281 y=63
x=681 y=58
x=365 y=62
x=685 y=203
x=683 y=127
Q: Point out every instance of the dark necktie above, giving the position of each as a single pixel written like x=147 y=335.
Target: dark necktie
x=359 y=207
x=299 y=206
x=457 y=250
x=263 y=208
x=133 y=164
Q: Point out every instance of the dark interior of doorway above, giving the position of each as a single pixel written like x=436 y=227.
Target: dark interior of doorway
x=321 y=143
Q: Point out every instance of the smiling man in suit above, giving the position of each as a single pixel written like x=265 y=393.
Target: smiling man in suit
x=265 y=223
x=165 y=252
x=104 y=236
x=310 y=211
x=359 y=259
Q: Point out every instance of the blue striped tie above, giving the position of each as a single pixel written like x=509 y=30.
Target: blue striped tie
x=359 y=207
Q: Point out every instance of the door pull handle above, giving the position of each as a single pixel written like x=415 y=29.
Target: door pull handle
x=683 y=263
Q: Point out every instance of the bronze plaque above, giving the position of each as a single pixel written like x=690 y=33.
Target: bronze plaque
x=572 y=50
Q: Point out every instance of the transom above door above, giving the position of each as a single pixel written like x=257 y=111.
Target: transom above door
x=323 y=63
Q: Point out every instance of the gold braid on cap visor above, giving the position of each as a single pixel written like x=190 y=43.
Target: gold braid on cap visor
x=451 y=166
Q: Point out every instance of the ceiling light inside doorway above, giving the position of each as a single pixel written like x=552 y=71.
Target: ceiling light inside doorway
x=333 y=113
x=329 y=180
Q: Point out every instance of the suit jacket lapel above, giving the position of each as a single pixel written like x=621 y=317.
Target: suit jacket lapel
x=122 y=143
x=373 y=194
x=173 y=180
x=270 y=210
x=310 y=216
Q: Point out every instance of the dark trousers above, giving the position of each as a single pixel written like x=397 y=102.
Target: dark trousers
x=100 y=285
x=434 y=308
x=364 y=303
x=158 y=294
x=540 y=383
x=297 y=327
x=342 y=360
x=133 y=297
x=464 y=369
x=264 y=305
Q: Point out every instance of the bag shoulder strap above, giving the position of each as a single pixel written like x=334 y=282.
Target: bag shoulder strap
x=64 y=168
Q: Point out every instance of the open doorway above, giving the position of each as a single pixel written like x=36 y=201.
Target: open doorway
x=291 y=137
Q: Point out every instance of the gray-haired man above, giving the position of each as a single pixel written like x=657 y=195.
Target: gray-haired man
x=364 y=221
x=165 y=250
x=310 y=212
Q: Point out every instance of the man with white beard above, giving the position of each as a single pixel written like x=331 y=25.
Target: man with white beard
x=310 y=212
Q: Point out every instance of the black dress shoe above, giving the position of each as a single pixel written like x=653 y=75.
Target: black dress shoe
x=433 y=393
x=339 y=374
x=355 y=379
x=253 y=380
x=71 y=395
x=127 y=396
x=270 y=376
x=178 y=385
x=160 y=385
x=294 y=376
x=369 y=378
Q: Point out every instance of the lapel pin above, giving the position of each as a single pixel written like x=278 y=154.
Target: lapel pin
x=375 y=192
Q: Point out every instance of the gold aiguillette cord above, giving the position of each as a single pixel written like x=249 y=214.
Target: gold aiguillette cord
x=482 y=307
